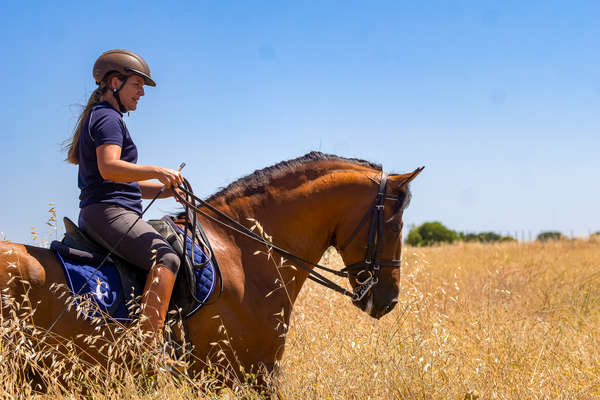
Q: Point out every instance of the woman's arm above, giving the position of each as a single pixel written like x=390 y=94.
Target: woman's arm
x=150 y=189
x=114 y=169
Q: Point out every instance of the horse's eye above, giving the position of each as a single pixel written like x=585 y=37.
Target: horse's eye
x=395 y=226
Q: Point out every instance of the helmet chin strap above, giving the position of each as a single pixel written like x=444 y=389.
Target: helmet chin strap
x=116 y=95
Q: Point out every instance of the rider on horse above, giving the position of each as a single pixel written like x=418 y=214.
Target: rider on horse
x=112 y=183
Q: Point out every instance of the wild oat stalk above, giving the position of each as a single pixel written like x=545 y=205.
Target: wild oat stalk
x=500 y=321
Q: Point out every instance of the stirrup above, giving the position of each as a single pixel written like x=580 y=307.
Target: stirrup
x=170 y=364
x=174 y=366
x=164 y=362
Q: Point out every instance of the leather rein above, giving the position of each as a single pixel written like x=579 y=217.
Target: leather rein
x=366 y=272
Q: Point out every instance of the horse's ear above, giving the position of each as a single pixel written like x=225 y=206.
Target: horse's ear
x=405 y=179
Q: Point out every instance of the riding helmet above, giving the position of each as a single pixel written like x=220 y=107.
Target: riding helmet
x=123 y=61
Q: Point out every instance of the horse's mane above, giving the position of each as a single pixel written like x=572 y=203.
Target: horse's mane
x=255 y=182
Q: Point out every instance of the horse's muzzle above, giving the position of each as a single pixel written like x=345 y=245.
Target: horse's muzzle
x=375 y=309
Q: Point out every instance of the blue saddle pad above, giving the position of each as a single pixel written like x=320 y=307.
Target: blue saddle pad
x=103 y=285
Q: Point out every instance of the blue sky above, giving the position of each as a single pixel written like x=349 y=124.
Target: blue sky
x=500 y=101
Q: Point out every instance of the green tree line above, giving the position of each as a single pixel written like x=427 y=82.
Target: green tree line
x=432 y=233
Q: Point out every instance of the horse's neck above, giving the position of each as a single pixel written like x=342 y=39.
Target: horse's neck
x=300 y=214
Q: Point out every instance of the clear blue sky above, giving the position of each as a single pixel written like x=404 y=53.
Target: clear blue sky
x=499 y=100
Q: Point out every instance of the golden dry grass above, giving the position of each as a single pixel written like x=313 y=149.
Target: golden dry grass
x=500 y=321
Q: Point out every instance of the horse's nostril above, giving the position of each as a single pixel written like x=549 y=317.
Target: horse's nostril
x=391 y=305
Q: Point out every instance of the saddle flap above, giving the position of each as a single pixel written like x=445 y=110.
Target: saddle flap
x=166 y=228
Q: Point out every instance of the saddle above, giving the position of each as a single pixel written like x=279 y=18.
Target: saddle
x=196 y=272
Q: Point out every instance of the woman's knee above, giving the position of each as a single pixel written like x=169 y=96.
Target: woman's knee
x=171 y=261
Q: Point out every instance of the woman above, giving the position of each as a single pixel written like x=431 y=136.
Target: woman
x=112 y=184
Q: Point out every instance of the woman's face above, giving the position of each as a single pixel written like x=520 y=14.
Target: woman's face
x=132 y=91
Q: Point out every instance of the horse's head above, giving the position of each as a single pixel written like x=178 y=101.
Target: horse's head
x=372 y=241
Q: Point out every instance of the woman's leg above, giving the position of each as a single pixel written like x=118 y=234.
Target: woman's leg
x=146 y=249
x=142 y=245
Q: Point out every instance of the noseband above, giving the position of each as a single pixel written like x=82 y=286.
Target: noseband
x=366 y=272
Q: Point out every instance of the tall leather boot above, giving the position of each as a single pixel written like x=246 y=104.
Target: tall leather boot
x=155 y=305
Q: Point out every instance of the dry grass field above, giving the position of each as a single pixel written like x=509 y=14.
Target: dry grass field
x=507 y=321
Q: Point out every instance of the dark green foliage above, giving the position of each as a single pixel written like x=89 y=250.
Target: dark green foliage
x=414 y=238
x=430 y=233
x=485 y=237
x=550 y=235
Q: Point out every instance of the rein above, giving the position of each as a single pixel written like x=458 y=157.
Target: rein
x=369 y=267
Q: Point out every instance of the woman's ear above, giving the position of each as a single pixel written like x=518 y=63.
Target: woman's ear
x=115 y=83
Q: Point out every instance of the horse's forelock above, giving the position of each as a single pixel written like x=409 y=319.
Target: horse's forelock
x=404 y=197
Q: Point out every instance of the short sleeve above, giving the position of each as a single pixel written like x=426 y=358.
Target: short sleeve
x=106 y=129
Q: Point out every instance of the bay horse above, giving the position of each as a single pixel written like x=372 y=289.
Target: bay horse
x=307 y=205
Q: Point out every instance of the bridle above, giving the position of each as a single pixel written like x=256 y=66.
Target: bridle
x=366 y=272
x=369 y=268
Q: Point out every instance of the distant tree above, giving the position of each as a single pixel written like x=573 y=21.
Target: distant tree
x=414 y=238
x=485 y=237
x=430 y=233
x=469 y=237
x=549 y=235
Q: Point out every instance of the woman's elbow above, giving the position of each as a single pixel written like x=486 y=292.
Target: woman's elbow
x=106 y=173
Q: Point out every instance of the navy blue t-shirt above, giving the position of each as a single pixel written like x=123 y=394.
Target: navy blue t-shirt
x=105 y=125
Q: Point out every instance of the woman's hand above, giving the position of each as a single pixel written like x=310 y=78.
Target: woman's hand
x=169 y=177
x=182 y=194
